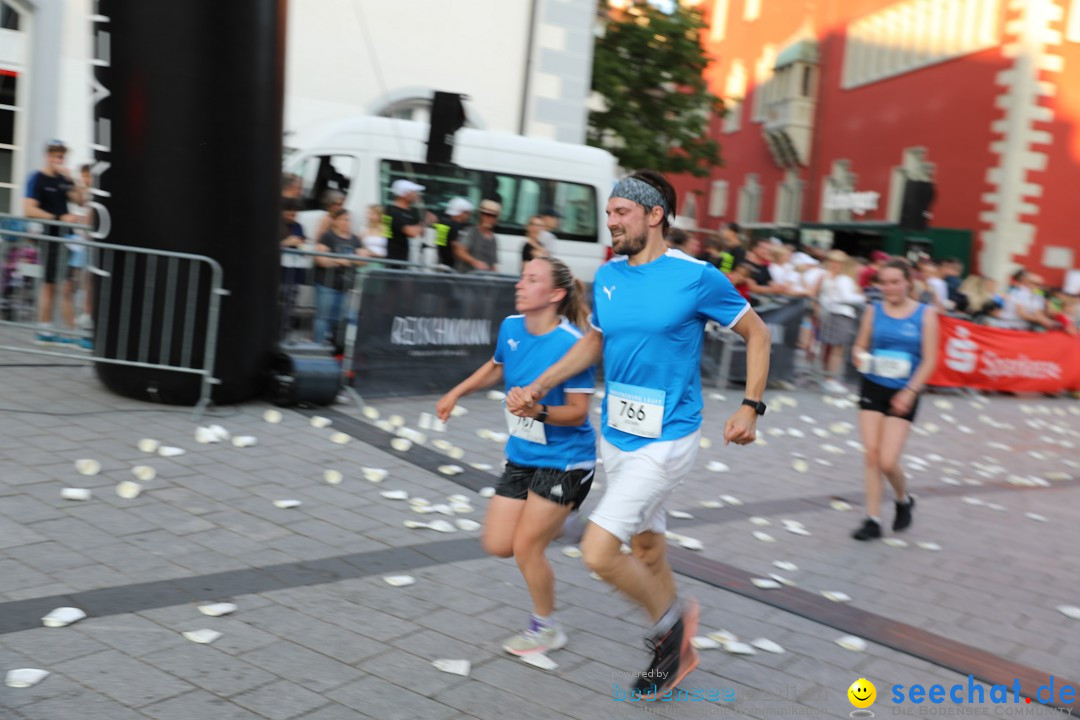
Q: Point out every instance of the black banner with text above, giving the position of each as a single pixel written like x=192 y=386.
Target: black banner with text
x=423 y=333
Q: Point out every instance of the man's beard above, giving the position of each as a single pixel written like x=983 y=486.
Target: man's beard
x=629 y=245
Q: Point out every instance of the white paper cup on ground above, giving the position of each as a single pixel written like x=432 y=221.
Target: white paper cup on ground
x=128 y=490
x=374 y=475
x=147 y=445
x=539 y=660
x=340 y=438
x=75 y=493
x=487 y=492
x=205 y=436
x=333 y=477
x=399 y=580
x=243 y=441
x=286 y=504
x=25 y=677
x=850 y=642
x=318 y=421
x=167 y=451
x=371 y=413
x=401 y=444
x=144 y=473
x=467 y=525
x=87 y=466
x=203 y=637
x=395 y=494
x=273 y=416
x=62 y=617
x=217 y=609
x=454 y=667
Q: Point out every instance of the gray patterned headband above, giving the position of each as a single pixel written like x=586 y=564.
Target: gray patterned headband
x=642 y=193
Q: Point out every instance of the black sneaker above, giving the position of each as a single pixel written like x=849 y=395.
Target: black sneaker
x=869 y=530
x=673 y=658
x=903 y=514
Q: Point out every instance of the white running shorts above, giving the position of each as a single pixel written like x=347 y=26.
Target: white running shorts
x=638 y=483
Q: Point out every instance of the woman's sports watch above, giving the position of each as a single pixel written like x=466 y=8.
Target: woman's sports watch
x=543 y=414
x=759 y=407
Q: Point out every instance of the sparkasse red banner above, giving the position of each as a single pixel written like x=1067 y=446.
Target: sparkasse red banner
x=987 y=358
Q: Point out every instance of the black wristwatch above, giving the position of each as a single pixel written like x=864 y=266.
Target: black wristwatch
x=542 y=417
x=759 y=407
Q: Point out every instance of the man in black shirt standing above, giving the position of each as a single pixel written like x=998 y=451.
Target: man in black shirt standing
x=47 y=194
x=449 y=227
x=400 y=220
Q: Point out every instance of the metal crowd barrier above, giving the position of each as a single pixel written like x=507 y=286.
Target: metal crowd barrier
x=191 y=282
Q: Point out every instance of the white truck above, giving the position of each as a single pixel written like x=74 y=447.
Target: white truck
x=362 y=156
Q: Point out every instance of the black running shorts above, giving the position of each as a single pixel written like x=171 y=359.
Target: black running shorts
x=565 y=487
x=878 y=398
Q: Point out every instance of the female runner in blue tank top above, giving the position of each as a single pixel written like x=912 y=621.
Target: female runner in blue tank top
x=896 y=351
x=551 y=455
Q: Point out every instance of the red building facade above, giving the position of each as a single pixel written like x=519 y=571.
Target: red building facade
x=835 y=108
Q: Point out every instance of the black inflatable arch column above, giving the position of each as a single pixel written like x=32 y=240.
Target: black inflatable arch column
x=188 y=98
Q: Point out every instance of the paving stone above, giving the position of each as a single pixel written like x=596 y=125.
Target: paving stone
x=389 y=701
x=122 y=678
x=198 y=704
x=314 y=671
x=280 y=701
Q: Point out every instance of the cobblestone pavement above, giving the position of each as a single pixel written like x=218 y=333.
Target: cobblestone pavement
x=319 y=635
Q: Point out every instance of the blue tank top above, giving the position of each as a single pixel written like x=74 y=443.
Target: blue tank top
x=896 y=344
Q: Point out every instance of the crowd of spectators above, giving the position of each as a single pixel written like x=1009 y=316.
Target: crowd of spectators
x=839 y=287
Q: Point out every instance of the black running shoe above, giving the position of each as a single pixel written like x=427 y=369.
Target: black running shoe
x=903 y=514
x=673 y=656
x=869 y=530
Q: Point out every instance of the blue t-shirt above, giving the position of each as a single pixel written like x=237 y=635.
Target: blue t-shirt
x=653 y=320
x=896 y=343
x=524 y=358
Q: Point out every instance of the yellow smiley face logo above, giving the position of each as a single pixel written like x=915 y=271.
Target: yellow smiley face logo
x=862 y=693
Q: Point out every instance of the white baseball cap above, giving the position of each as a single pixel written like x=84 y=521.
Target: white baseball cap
x=404 y=187
x=459 y=205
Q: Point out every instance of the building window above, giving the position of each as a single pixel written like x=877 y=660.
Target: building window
x=718 y=198
x=789 y=196
x=840 y=181
x=734 y=92
x=750 y=200
x=1072 y=29
x=9 y=17
x=719 y=21
x=913 y=34
x=763 y=75
x=913 y=166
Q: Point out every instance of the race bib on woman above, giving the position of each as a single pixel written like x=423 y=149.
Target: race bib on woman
x=528 y=429
x=892 y=364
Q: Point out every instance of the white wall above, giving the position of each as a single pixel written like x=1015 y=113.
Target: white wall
x=475 y=47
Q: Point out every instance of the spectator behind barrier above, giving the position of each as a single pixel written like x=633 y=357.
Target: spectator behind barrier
x=534 y=246
x=740 y=278
x=838 y=297
x=478 y=250
x=1025 y=306
x=733 y=252
x=758 y=255
x=878 y=258
x=372 y=235
x=335 y=275
x=331 y=201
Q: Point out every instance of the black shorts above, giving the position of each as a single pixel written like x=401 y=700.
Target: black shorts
x=565 y=487
x=53 y=252
x=878 y=398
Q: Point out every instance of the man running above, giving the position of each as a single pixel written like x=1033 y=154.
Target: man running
x=649 y=311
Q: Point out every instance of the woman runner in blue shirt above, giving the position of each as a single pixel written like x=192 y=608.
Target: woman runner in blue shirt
x=551 y=455
x=896 y=351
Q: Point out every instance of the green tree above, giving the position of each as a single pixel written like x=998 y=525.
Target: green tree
x=648 y=68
